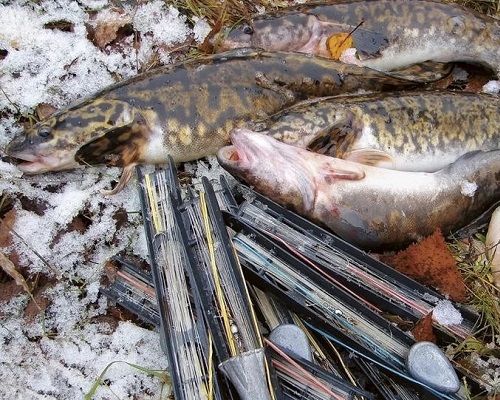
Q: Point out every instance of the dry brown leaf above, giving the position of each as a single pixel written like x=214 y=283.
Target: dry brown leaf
x=430 y=262
x=423 y=331
x=338 y=43
x=44 y=110
x=9 y=267
x=7 y=221
x=105 y=30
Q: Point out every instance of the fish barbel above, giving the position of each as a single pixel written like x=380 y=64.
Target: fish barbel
x=185 y=110
x=368 y=206
x=387 y=34
x=410 y=131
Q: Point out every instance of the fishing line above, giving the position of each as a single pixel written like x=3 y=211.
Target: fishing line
x=382 y=365
x=218 y=288
x=319 y=353
x=311 y=378
x=386 y=385
x=328 y=257
x=190 y=361
x=332 y=309
x=236 y=319
x=141 y=288
x=322 y=253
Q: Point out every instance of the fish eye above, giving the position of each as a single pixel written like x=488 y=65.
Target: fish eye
x=247 y=30
x=44 y=131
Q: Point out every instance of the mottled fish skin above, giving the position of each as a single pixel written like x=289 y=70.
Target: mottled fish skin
x=186 y=110
x=404 y=32
x=374 y=208
x=410 y=131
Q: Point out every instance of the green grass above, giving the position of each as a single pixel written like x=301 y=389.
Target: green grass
x=484 y=297
x=161 y=375
x=483 y=294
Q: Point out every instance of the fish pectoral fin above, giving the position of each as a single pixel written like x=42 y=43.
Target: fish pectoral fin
x=428 y=71
x=368 y=44
x=332 y=172
x=332 y=139
x=127 y=173
x=322 y=143
x=118 y=146
x=372 y=157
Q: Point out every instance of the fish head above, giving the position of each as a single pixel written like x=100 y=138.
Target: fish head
x=269 y=166
x=292 y=176
x=233 y=37
x=272 y=33
x=53 y=144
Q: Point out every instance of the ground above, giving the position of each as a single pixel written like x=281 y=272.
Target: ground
x=57 y=229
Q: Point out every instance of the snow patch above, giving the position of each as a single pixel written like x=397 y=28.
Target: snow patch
x=445 y=313
x=201 y=29
x=468 y=188
x=492 y=87
x=62 y=352
x=47 y=65
x=160 y=25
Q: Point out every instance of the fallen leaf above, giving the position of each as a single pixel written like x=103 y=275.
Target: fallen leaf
x=106 y=27
x=423 y=331
x=430 y=262
x=9 y=267
x=7 y=221
x=338 y=43
x=44 y=110
x=39 y=302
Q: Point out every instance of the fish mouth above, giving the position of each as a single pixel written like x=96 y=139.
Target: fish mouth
x=229 y=154
x=36 y=164
x=230 y=157
x=27 y=163
x=30 y=159
x=239 y=153
x=33 y=165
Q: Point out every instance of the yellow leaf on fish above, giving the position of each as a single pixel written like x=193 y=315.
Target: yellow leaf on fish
x=339 y=42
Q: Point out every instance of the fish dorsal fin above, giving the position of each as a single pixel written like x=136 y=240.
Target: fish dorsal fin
x=369 y=44
x=117 y=146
